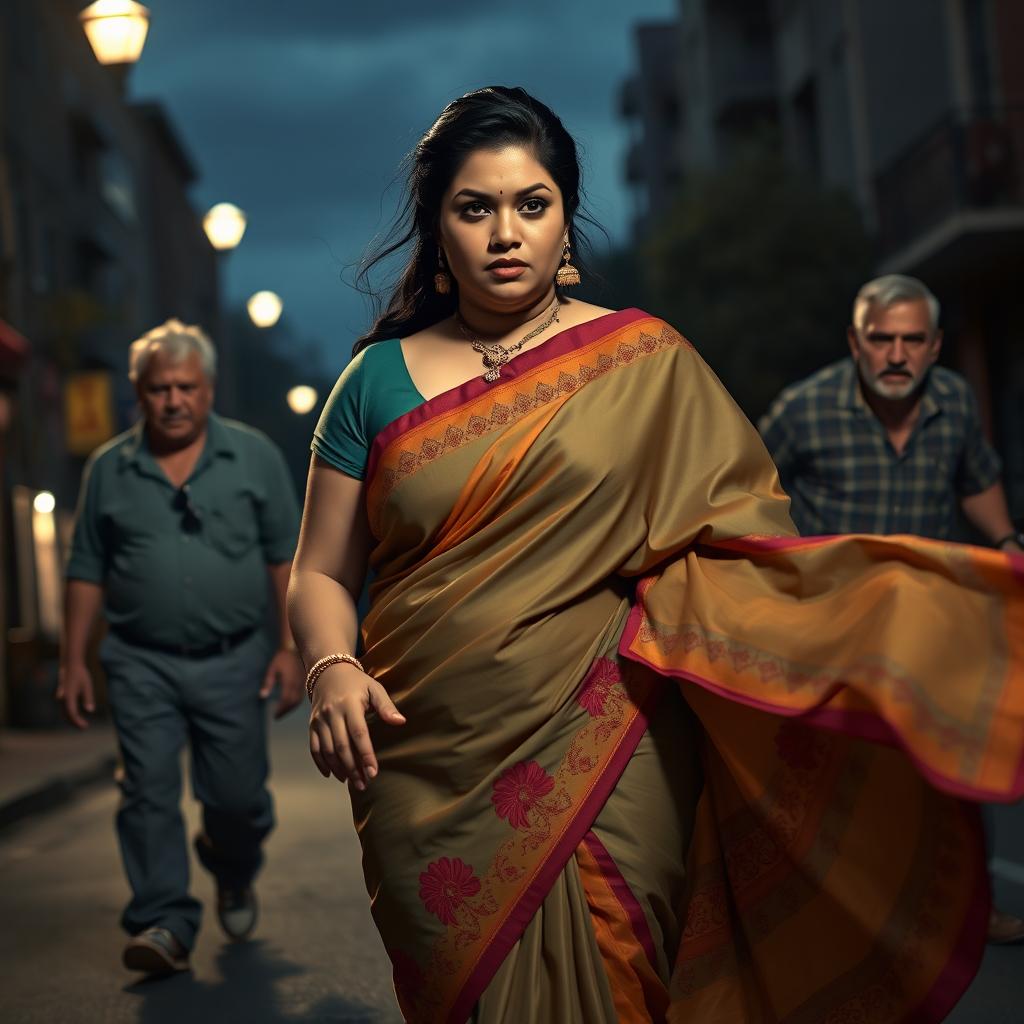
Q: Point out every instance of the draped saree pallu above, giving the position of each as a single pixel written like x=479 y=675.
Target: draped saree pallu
x=663 y=760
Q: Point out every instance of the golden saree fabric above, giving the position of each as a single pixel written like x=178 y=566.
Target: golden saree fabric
x=558 y=550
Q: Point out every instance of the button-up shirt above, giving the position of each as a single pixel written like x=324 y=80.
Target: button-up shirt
x=177 y=577
x=842 y=473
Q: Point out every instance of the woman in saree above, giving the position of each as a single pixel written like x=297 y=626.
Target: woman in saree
x=621 y=746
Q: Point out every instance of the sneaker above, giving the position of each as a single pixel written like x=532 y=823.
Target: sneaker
x=237 y=912
x=155 y=951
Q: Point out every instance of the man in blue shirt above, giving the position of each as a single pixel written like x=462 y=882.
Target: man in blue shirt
x=179 y=521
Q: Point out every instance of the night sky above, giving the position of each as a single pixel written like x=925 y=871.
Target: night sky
x=301 y=112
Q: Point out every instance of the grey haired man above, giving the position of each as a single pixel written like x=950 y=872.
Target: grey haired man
x=179 y=522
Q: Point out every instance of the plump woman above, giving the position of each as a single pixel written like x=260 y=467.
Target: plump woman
x=620 y=746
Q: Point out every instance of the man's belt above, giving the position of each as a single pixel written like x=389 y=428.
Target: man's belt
x=221 y=646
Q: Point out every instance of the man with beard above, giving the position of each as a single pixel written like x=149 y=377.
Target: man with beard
x=887 y=442
x=179 y=523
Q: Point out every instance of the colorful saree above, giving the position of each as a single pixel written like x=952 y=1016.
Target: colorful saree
x=663 y=760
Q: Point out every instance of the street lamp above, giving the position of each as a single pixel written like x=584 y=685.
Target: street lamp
x=301 y=399
x=264 y=308
x=224 y=225
x=44 y=503
x=116 y=30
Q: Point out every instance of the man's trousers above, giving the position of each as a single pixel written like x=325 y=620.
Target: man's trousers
x=161 y=702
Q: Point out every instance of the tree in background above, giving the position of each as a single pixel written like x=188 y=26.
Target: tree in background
x=755 y=264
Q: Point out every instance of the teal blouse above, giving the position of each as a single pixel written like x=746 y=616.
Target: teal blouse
x=372 y=391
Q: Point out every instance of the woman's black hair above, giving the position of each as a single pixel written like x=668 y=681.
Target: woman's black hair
x=489 y=118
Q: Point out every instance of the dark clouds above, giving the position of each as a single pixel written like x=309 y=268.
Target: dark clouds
x=300 y=113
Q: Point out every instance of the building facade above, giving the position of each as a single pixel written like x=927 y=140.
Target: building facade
x=917 y=110
x=98 y=242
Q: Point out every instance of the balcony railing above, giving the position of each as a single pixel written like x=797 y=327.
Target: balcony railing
x=968 y=161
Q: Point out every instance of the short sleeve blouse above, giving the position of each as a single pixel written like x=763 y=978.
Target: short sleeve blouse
x=372 y=391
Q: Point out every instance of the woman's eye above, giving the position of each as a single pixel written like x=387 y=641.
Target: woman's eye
x=534 y=206
x=474 y=209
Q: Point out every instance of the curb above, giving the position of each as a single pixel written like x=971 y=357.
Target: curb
x=56 y=791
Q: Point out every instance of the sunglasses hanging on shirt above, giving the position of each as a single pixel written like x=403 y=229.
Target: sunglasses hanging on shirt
x=191 y=520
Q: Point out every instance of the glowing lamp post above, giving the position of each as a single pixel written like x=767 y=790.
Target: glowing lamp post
x=264 y=308
x=302 y=399
x=116 y=30
x=44 y=503
x=224 y=225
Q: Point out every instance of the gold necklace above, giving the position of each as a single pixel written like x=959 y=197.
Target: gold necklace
x=495 y=355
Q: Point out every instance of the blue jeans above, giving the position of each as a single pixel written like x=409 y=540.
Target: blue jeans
x=159 y=703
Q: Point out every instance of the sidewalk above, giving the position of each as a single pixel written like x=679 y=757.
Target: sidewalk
x=42 y=768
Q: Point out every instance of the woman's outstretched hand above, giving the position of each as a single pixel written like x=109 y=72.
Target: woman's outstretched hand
x=339 y=740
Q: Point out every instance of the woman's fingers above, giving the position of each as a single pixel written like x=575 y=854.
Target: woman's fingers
x=362 y=748
x=339 y=723
x=384 y=705
x=328 y=751
x=314 y=752
x=340 y=743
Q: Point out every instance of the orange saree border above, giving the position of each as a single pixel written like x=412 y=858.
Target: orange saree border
x=623 y=936
x=739 y=672
x=484 y=915
x=549 y=373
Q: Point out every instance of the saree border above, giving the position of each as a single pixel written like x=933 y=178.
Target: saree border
x=965 y=958
x=764 y=542
x=558 y=345
x=628 y=903
x=560 y=368
x=860 y=724
x=519 y=913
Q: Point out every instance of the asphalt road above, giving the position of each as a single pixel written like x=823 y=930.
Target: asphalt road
x=316 y=957
x=997 y=995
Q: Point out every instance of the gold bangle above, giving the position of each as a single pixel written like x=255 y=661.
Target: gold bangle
x=327 y=662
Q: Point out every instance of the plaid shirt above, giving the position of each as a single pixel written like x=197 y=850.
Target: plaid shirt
x=839 y=468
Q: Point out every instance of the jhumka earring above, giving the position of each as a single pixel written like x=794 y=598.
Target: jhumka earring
x=442 y=279
x=567 y=275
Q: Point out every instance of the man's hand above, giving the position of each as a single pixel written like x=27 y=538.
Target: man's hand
x=74 y=687
x=286 y=669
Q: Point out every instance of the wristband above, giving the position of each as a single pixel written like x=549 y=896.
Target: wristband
x=1017 y=538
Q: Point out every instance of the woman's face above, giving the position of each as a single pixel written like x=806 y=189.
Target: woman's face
x=502 y=228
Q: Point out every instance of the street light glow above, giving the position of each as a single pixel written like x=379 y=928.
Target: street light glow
x=264 y=308
x=302 y=399
x=44 y=503
x=224 y=225
x=116 y=30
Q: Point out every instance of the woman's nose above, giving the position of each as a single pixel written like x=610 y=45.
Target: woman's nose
x=504 y=233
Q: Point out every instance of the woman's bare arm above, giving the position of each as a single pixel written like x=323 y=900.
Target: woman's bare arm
x=327 y=578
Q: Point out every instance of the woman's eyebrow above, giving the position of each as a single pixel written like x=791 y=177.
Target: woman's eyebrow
x=477 y=194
